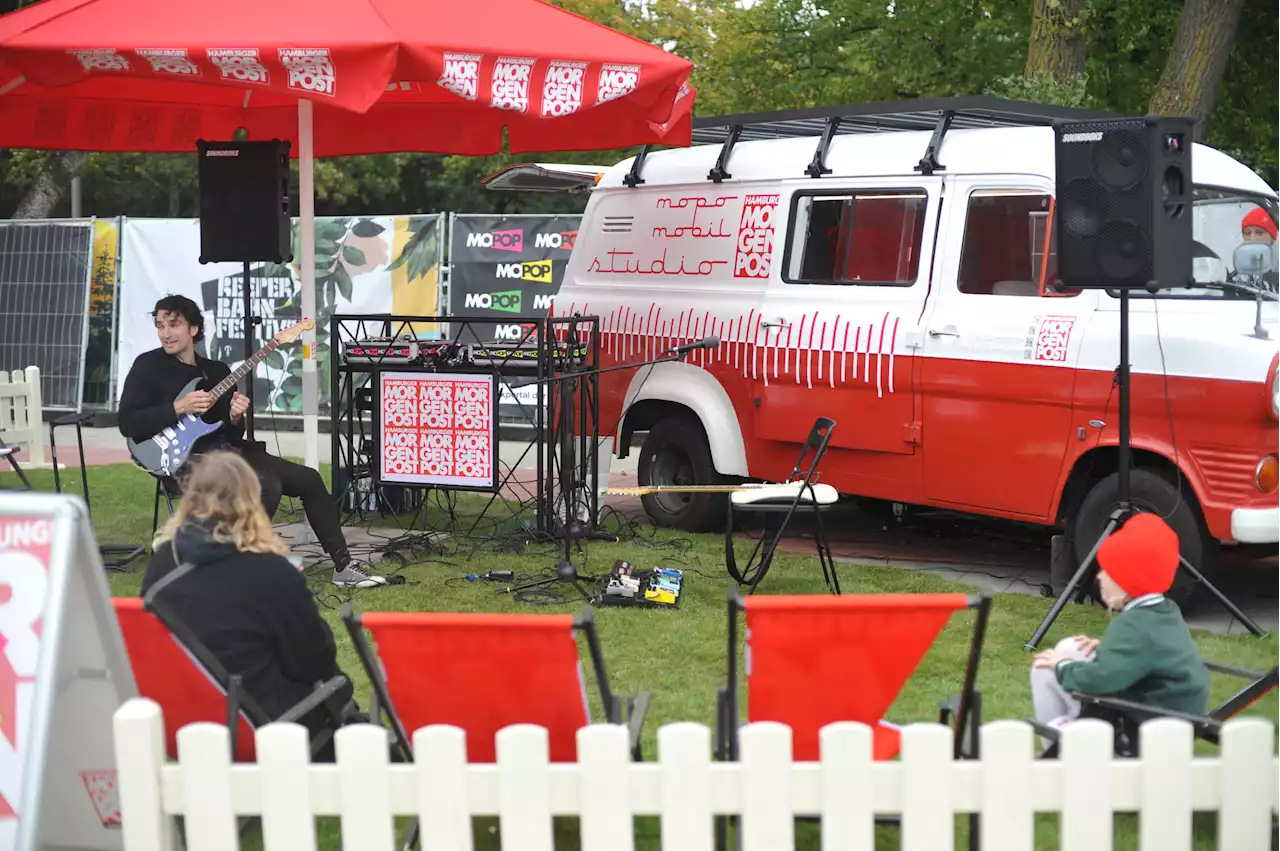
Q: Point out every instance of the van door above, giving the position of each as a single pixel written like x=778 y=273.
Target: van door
x=840 y=316
x=1000 y=350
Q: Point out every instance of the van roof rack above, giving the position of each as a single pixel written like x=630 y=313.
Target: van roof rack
x=936 y=114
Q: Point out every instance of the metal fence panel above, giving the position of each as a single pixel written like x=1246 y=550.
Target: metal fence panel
x=45 y=275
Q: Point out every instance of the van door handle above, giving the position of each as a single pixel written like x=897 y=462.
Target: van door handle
x=948 y=331
x=779 y=324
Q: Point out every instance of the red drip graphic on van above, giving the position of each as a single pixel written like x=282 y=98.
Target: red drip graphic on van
x=627 y=333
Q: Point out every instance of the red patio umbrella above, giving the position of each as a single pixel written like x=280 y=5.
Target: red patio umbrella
x=335 y=77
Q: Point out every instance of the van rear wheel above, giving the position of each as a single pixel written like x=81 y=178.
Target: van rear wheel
x=1153 y=493
x=675 y=452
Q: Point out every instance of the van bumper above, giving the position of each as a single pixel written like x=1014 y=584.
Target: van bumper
x=1256 y=525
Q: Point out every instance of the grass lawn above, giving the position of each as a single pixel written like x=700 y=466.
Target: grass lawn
x=680 y=655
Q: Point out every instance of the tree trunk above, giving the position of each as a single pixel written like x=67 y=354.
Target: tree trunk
x=1193 y=73
x=1057 y=42
x=46 y=191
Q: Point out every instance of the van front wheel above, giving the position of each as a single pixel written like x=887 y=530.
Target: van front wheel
x=675 y=452
x=1153 y=493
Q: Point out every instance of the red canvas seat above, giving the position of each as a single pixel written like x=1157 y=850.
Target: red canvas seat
x=483 y=672
x=814 y=660
x=167 y=673
x=182 y=675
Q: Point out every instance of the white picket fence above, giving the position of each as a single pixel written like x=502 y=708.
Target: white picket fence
x=686 y=788
x=21 y=411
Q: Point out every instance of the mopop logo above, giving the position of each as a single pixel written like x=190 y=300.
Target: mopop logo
x=508 y=301
x=564 y=239
x=537 y=271
x=502 y=240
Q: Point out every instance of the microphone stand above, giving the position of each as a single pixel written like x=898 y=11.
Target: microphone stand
x=573 y=532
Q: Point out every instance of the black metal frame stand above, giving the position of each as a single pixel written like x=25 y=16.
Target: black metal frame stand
x=1088 y=568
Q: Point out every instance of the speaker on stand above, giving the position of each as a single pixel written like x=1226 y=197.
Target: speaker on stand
x=1123 y=222
x=244 y=217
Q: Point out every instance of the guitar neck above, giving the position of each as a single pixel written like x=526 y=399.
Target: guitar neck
x=241 y=371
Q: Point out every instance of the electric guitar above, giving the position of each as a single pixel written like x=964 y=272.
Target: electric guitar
x=163 y=454
x=647 y=489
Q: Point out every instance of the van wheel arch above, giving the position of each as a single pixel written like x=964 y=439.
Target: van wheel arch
x=676 y=450
x=1161 y=480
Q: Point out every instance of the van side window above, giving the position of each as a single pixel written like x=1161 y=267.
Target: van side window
x=865 y=237
x=1004 y=250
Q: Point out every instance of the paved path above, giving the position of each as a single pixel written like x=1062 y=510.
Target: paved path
x=992 y=555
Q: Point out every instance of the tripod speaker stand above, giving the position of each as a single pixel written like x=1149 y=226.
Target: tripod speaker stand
x=1125 y=223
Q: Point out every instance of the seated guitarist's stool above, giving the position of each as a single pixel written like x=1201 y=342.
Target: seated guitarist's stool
x=168 y=487
x=800 y=494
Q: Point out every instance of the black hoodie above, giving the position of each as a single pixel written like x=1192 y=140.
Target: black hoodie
x=253 y=611
x=155 y=382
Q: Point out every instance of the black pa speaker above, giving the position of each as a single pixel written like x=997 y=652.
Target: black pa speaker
x=244 y=202
x=1123 y=203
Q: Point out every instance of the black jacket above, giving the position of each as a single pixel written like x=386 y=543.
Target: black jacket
x=253 y=611
x=155 y=382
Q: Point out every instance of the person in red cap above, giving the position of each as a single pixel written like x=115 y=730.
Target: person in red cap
x=1257 y=226
x=1147 y=654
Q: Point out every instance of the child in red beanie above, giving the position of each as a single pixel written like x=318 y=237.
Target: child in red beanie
x=1147 y=654
x=1257 y=226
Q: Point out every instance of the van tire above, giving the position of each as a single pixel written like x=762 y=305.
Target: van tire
x=676 y=452
x=1154 y=493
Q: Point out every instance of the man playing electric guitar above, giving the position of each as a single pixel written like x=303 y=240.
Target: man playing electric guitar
x=148 y=405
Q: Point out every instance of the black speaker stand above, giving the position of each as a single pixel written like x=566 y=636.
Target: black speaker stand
x=1088 y=568
x=250 y=322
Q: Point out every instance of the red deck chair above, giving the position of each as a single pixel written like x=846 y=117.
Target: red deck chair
x=483 y=672
x=178 y=672
x=815 y=660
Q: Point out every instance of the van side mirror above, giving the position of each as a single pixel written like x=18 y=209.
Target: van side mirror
x=1253 y=258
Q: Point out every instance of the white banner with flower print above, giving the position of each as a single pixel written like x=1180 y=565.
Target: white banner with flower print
x=364 y=265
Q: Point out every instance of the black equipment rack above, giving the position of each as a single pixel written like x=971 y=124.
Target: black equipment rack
x=933 y=114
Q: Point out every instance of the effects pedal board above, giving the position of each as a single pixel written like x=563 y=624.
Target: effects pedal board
x=627 y=585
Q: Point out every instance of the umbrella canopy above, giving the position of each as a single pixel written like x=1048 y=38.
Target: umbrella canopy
x=335 y=77
x=382 y=75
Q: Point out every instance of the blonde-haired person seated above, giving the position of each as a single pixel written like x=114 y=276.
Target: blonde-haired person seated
x=242 y=598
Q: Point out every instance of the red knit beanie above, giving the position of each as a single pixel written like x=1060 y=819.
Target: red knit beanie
x=1258 y=218
x=1142 y=556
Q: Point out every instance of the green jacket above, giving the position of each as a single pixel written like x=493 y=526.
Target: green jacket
x=1146 y=655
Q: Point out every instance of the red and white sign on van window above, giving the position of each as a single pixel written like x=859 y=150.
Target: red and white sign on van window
x=1053 y=338
x=24 y=570
x=438 y=429
x=755 y=236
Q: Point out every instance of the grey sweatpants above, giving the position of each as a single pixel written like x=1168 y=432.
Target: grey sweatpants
x=1053 y=706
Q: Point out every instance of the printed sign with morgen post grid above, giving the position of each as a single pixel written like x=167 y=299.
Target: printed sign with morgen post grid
x=438 y=429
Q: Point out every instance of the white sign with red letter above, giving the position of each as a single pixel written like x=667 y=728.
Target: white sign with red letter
x=438 y=429
x=63 y=673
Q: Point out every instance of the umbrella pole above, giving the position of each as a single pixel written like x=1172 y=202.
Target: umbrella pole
x=307 y=224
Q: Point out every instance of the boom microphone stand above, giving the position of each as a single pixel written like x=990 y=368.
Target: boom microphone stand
x=573 y=533
x=1088 y=568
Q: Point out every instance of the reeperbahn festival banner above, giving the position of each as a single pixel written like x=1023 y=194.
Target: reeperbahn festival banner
x=505 y=267
x=364 y=265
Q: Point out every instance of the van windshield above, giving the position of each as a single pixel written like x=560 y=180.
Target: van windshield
x=1222 y=220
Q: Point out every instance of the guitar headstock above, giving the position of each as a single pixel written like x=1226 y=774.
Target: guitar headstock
x=285 y=336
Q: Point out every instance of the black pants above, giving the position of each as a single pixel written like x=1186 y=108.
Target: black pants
x=285 y=478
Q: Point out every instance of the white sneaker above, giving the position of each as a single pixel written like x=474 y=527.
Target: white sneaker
x=355 y=576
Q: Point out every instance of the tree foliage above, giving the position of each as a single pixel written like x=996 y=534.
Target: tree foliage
x=776 y=54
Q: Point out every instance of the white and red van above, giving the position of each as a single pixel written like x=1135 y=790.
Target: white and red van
x=914 y=306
